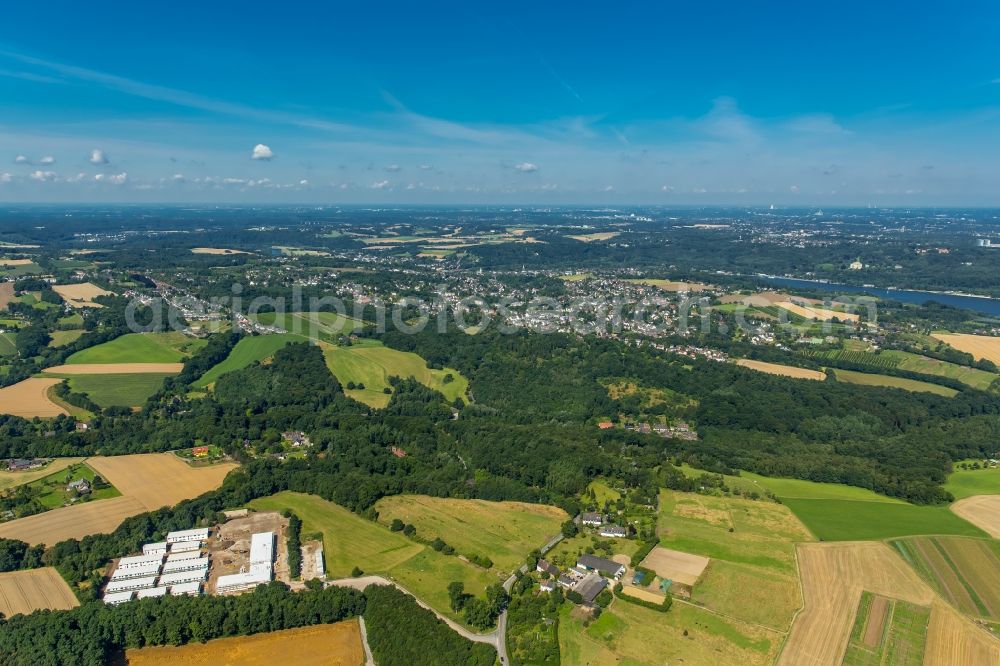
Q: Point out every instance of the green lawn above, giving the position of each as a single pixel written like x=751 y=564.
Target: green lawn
x=139 y=348
x=869 y=379
x=124 y=390
x=351 y=541
x=973 y=377
x=372 y=364
x=797 y=488
x=326 y=326
x=52 y=488
x=61 y=338
x=7 y=346
x=967 y=482
x=247 y=351
x=854 y=520
x=503 y=531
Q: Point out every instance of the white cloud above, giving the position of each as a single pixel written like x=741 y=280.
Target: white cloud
x=609 y=188
x=304 y=183
x=794 y=189
x=262 y=152
x=97 y=156
x=22 y=159
x=113 y=178
x=380 y=185
x=42 y=176
x=667 y=188
x=426 y=167
x=392 y=168
x=48 y=159
x=526 y=167
x=77 y=178
x=5 y=178
x=178 y=178
x=549 y=187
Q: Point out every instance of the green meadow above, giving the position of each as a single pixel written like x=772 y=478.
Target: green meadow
x=967 y=482
x=869 y=379
x=371 y=364
x=171 y=347
x=118 y=390
x=248 y=350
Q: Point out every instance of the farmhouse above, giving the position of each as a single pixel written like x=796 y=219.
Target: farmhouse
x=593 y=519
x=547 y=567
x=81 y=486
x=180 y=536
x=590 y=587
x=567 y=581
x=616 y=531
x=601 y=565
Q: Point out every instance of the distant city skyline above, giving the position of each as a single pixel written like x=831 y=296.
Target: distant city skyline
x=850 y=104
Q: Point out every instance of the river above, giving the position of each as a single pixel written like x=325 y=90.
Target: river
x=990 y=306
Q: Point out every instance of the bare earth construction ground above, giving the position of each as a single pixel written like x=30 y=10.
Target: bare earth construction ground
x=146 y=481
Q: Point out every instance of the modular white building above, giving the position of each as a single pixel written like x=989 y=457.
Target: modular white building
x=180 y=536
x=138 y=561
x=189 y=555
x=151 y=592
x=192 y=589
x=178 y=577
x=184 y=547
x=148 y=569
x=185 y=565
x=158 y=548
x=130 y=584
x=262 y=548
x=115 y=598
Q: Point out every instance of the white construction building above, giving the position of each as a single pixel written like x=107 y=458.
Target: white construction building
x=260 y=568
x=151 y=592
x=158 y=548
x=191 y=589
x=115 y=598
x=189 y=555
x=130 y=584
x=178 y=577
x=185 y=565
x=184 y=547
x=180 y=536
x=148 y=569
x=138 y=561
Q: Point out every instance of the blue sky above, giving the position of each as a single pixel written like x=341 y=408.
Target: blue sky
x=890 y=103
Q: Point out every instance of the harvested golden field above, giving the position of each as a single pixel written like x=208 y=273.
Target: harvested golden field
x=983 y=511
x=34 y=589
x=15 y=262
x=590 y=238
x=29 y=398
x=980 y=346
x=215 y=250
x=673 y=286
x=675 y=565
x=954 y=639
x=783 y=370
x=115 y=368
x=642 y=593
x=6 y=294
x=833 y=577
x=80 y=295
x=12 y=479
x=147 y=482
x=336 y=644
x=822 y=314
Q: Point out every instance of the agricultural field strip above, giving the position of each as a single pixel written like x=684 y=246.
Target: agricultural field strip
x=115 y=369
x=29 y=398
x=33 y=589
x=947 y=564
x=983 y=511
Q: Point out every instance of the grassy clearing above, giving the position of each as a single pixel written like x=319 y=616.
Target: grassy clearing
x=326 y=326
x=51 y=490
x=7 y=346
x=125 y=390
x=371 y=364
x=351 y=541
x=752 y=572
x=603 y=492
x=973 y=377
x=62 y=338
x=968 y=482
x=868 y=379
x=630 y=634
x=503 y=531
x=248 y=350
x=139 y=348
x=963 y=571
x=800 y=489
x=853 y=520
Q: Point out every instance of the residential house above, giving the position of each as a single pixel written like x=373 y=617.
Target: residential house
x=547 y=585
x=593 y=519
x=548 y=567
x=613 y=531
x=81 y=486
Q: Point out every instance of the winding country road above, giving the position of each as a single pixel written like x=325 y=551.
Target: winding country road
x=497 y=638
